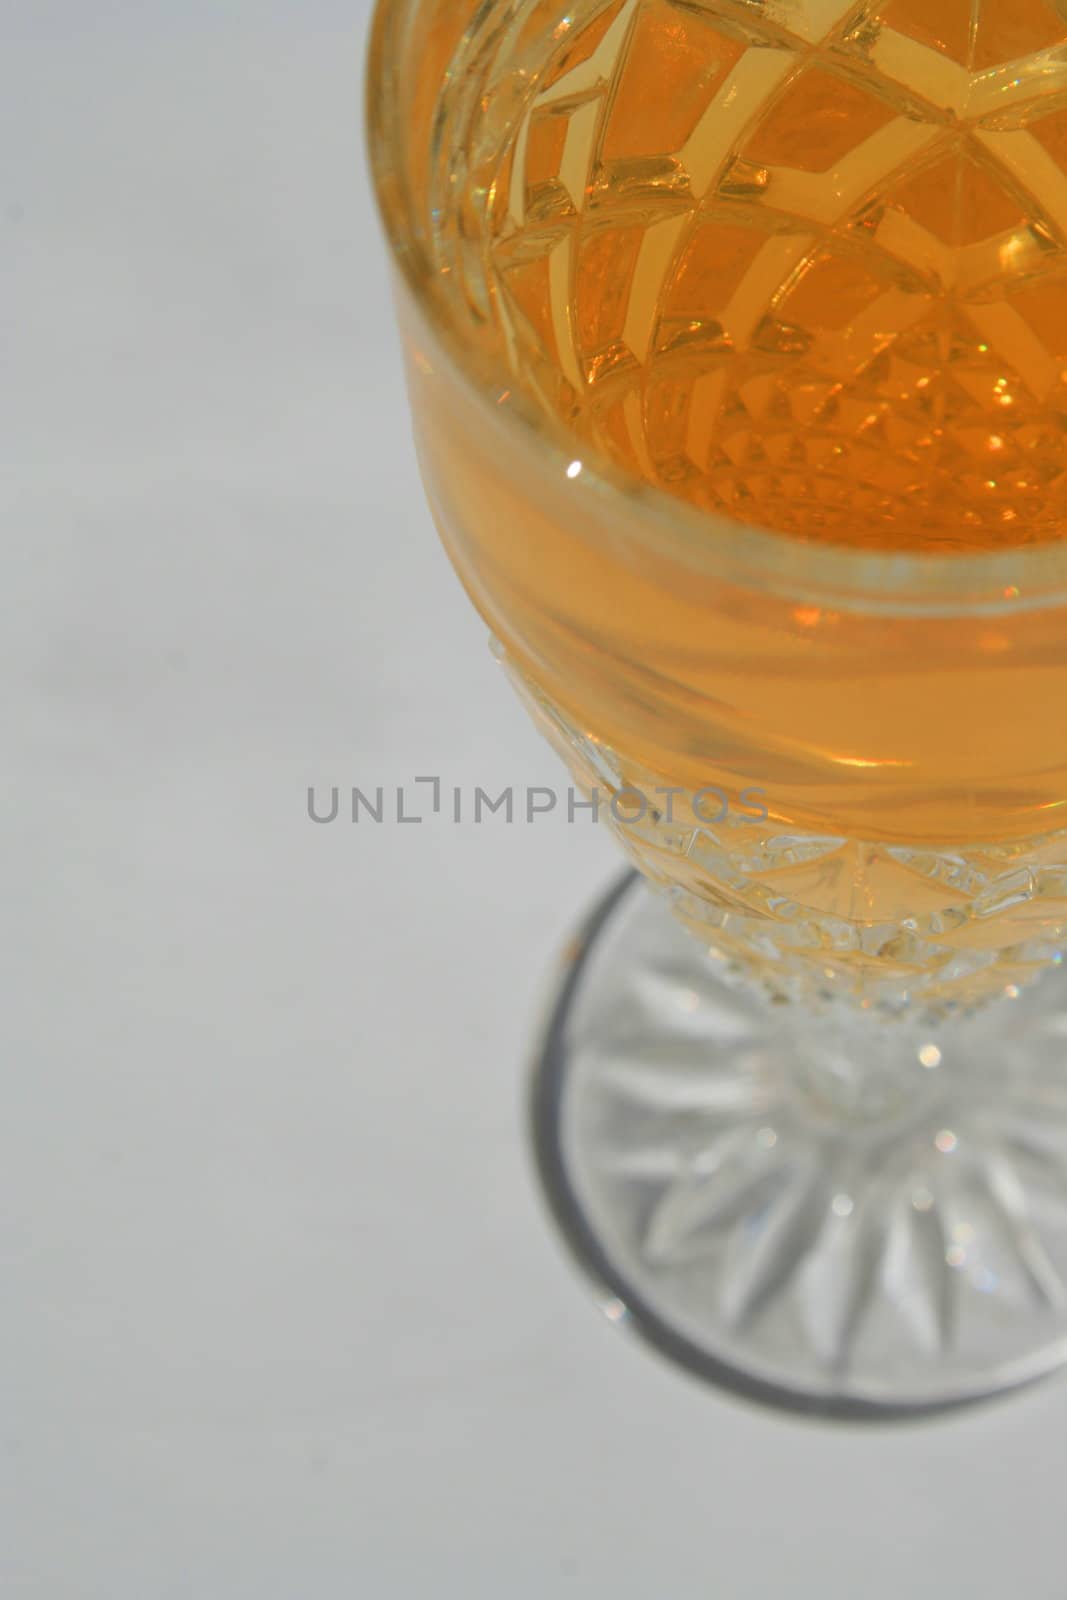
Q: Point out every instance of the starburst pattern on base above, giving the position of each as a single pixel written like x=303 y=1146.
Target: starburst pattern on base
x=853 y=1213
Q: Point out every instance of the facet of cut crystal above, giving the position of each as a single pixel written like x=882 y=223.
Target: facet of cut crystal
x=849 y=1217
x=818 y=919
x=805 y=264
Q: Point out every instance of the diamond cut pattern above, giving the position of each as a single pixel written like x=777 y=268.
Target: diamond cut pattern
x=858 y=201
x=814 y=918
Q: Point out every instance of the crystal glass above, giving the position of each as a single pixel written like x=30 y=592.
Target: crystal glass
x=736 y=334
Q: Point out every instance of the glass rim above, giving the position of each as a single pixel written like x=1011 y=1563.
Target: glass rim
x=1023 y=578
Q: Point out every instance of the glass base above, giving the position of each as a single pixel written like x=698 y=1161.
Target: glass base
x=833 y=1213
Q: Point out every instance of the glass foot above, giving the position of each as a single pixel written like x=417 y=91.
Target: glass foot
x=831 y=1213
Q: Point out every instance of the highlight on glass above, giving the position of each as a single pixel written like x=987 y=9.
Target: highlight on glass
x=736 y=336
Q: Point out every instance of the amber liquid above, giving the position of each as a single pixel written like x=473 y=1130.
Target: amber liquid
x=803 y=265
x=807 y=272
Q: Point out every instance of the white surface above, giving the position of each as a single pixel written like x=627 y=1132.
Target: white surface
x=282 y=1319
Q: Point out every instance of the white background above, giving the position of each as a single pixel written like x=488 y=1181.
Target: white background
x=281 y=1316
